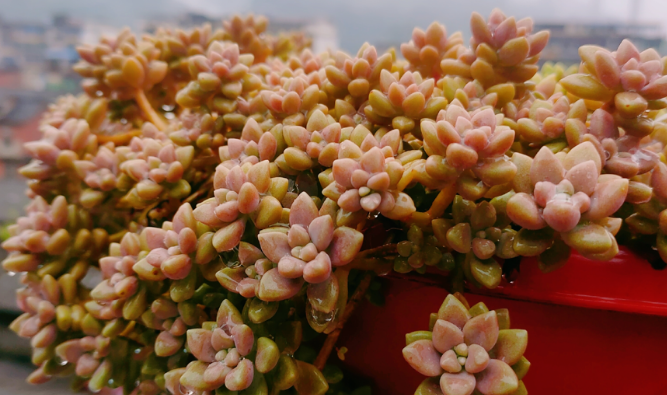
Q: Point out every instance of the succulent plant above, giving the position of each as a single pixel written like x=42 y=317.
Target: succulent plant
x=460 y=142
x=543 y=121
x=358 y=75
x=247 y=33
x=312 y=246
x=469 y=349
x=176 y=46
x=627 y=81
x=403 y=100
x=238 y=194
x=219 y=77
x=502 y=49
x=571 y=197
x=428 y=48
x=220 y=348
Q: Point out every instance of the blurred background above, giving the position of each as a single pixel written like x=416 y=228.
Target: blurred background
x=37 y=50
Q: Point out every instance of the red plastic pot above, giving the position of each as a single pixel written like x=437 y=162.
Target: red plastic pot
x=594 y=327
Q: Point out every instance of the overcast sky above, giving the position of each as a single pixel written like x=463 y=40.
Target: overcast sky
x=357 y=20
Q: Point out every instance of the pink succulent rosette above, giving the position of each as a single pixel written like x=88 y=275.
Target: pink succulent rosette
x=192 y=128
x=254 y=146
x=221 y=349
x=369 y=180
x=317 y=142
x=41 y=320
x=223 y=74
x=502 y=49
x=324 y=144
x=66 y=107
x=60 y=146
x=304 y=62
x=242 y=193
x=119 y=67
x=41 y=233
x=568 y=194
x=469 y=353
x=623 y=153
x=308 y=250
x=38 y=301
x=628 y=80
x=541 y=121
x=277 y=72
x=147 y=168
x=428 y=48
x=360 y=74
x=153 y=255
x=101 y=171
x=245 y=278
x=321 y=141
x=54 y=156
x=120 y=281
x=151 y=162
x=174 y=248
x=472 y=94
x=89 y=357
x=460 y=140
x=293 y=95
x=176 y=46
x=409 y=96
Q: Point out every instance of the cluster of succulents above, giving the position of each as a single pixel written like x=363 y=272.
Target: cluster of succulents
x=236 y=192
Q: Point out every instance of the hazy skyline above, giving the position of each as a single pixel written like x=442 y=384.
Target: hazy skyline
x=376 y=21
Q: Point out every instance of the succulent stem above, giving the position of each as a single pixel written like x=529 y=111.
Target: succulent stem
x=149 y=111
x=332 y=338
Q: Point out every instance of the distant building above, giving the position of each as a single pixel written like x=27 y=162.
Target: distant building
x=566 y=38
x=20 y=114
x=43 y=54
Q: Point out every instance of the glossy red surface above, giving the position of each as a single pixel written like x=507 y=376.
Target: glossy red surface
x=626 y=283
x=573 y=350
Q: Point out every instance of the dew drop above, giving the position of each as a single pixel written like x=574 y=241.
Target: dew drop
x=184 y=390
x=320 y=319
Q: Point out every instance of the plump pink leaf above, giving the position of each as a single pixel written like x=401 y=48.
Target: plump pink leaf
x=423 y=357
x=345 y=245
x=199 y=344
x=446 y=335
x=303 y=210
x=482 y=330
x=274 y=245
x=273 y=287
x=457 y=384
x=497 y=379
